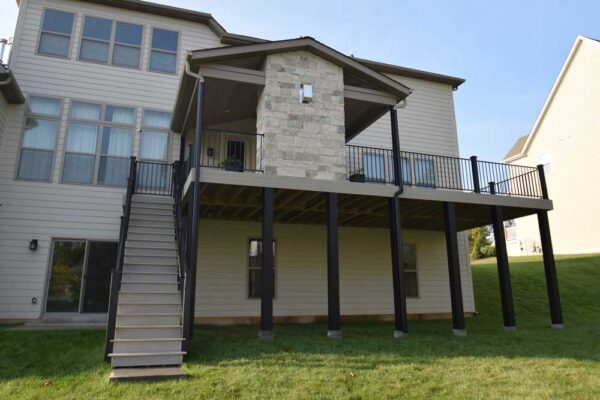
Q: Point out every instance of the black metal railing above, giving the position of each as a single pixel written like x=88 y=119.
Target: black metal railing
x=180 y=173
x=154 y=177
x=230 y=150
x=368 y=164
x=117 y=273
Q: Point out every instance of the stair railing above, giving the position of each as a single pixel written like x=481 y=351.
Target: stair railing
x=180 y=172
x=117 y=272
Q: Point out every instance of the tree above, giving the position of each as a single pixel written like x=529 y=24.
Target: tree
x=480 y=243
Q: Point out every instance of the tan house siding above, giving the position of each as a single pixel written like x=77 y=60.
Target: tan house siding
x=3 y=117
x=52 y=210
x=301 y=271
x=570 y=133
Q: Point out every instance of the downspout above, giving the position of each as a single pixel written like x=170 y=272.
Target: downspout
x=396 y=143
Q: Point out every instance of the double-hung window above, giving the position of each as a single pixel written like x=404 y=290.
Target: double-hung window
x=100 y=44
x=163 y=55
x=55 y=38
x=95 y=39
x=424 y=172
x=99 y=143
x=39 y=138
x=255 y=268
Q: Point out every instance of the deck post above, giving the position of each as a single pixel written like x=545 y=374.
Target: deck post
x=508 y=310
x=456 y=300
x=400 y=320
x=475 y=172
x=267 y=278
x=397 y=165
x=550 y=270
x=334 y=329
x=195 y=203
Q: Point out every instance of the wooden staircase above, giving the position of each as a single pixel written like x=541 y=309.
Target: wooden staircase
x=148 y=331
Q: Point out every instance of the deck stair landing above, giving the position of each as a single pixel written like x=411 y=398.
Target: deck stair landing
x=148 y=331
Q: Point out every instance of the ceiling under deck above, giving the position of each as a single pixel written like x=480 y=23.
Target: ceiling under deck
x=244 y=203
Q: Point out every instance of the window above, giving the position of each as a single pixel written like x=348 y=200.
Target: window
x=374 y=167
x=409 y=270
x=55 y=37
x=306 y=93
x=95 y=39
x=425 y=173
x=98 y=139
x=163 y=56
x=546 y=161
x=128 y=45
x=254 y=268
x=406 y=171
x=39 y=138
x=80 y=276
x=154 y=147
x=98 y=40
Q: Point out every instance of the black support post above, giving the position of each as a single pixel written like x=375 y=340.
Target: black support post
x=400 y=320
x=508 y=310
x=456 y=300
x=195 y=202
x=550 y=270
x=334 y=329
x=475 y=173
x=267 y=276
x=397 y=165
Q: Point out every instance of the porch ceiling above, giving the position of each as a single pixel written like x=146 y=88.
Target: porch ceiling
x=244 y=203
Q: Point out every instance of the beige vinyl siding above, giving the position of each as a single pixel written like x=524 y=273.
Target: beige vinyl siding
x=3 y=116
x=301 y=277
x=52 y=210
x=570 y=132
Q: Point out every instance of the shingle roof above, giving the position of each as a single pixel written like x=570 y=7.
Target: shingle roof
x=517 y=147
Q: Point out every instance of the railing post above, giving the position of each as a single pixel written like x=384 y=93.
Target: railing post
x=475 y=171
x=543 y=186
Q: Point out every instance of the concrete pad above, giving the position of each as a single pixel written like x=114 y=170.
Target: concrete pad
x=145 y=374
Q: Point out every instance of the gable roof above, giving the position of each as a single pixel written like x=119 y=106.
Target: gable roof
x=534 y=130
x=517 y=147
x=307 y=44
x=9 y=87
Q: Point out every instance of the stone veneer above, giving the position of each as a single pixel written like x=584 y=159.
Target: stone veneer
x=303 y=140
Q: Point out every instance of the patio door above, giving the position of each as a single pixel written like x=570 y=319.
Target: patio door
x=80 y=276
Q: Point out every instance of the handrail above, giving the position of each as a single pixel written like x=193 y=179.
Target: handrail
x=373 y=164
x=184 y=273
x=117 y=273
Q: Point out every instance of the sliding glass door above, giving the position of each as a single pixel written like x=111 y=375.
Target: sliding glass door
x=80 y=276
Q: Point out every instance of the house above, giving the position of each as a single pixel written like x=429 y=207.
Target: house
x=157 y=152
x=564 y=138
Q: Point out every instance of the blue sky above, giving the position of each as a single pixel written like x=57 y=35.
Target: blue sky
x=509 y=51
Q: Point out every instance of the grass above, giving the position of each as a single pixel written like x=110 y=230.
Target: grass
x=300 y=363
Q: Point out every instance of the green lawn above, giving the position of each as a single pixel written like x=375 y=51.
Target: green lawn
x=300 y=363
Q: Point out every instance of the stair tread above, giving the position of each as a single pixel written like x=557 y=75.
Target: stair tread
x=148 y=340
x=149 y=273
x=165 y=353
x=150 y=282
x=145 y=373
x=147 y=326
x=149 y=315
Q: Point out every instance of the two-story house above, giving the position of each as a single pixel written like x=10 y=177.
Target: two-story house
x=156 y=153
x=564 y=137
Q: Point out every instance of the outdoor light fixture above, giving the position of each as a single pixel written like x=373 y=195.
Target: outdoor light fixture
x=210 y=152
x=33 y=244
x=306 y=93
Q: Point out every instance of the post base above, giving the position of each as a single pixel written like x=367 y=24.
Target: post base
x=334 y=334
x=459 y=332
x=558 y=327
x=265 y=335
x=510 y=329
x=399 y=334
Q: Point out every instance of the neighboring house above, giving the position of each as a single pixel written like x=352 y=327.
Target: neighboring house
x=10 y=93
x=246 y=140
x=564 y=139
